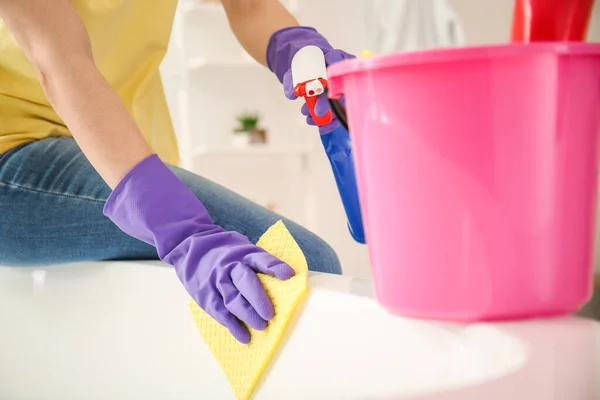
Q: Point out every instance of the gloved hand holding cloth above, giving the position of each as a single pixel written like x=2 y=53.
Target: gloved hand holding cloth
x=217 y=268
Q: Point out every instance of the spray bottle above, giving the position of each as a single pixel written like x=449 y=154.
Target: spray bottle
x=309 y=76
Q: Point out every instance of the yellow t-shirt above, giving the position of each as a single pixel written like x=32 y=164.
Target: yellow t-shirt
x=129 y=40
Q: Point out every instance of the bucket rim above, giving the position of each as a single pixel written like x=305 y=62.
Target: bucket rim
x=455 y=54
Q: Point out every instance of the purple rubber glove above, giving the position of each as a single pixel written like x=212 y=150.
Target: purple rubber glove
x=217 y=268
x=283 y=45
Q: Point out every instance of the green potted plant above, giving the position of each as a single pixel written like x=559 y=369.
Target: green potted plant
x=249 y=131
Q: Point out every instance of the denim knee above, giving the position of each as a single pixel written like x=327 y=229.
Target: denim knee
x=320 y=256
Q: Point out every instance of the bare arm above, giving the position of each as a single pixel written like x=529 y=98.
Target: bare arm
x=254 y=21
x=55 y=41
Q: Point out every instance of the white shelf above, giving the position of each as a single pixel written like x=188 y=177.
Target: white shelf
x=252 y=150
x=212 y=79
x=193 y=5
x=198 y=5
x=202 y=62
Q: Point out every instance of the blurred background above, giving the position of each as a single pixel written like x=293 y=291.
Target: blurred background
x=236 y=127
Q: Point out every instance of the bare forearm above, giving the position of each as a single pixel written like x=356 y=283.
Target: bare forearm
x=254 y=21
x=98 y=120
x=56 y=43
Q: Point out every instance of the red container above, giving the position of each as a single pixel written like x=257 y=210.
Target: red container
x=551 y=20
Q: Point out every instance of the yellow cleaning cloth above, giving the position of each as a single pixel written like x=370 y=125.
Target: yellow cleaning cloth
x=244 y=364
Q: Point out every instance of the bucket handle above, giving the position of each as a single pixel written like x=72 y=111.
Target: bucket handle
x=338 y=109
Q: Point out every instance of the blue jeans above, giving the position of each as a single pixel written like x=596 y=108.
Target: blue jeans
x=51 y=201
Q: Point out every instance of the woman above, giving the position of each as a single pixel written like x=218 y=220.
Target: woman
x=87 y=150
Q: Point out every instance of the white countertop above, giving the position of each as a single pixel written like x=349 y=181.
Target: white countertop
x=120 y=330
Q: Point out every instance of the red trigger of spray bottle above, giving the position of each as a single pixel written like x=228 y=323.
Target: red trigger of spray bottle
x=309 y=76
x=311 y=91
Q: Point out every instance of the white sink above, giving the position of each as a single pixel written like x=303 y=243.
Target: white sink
x=122 y=331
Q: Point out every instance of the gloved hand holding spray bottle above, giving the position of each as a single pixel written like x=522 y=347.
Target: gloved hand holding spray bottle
x=299 y=56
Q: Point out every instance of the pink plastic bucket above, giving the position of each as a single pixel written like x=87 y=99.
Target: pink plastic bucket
x=477 y=175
